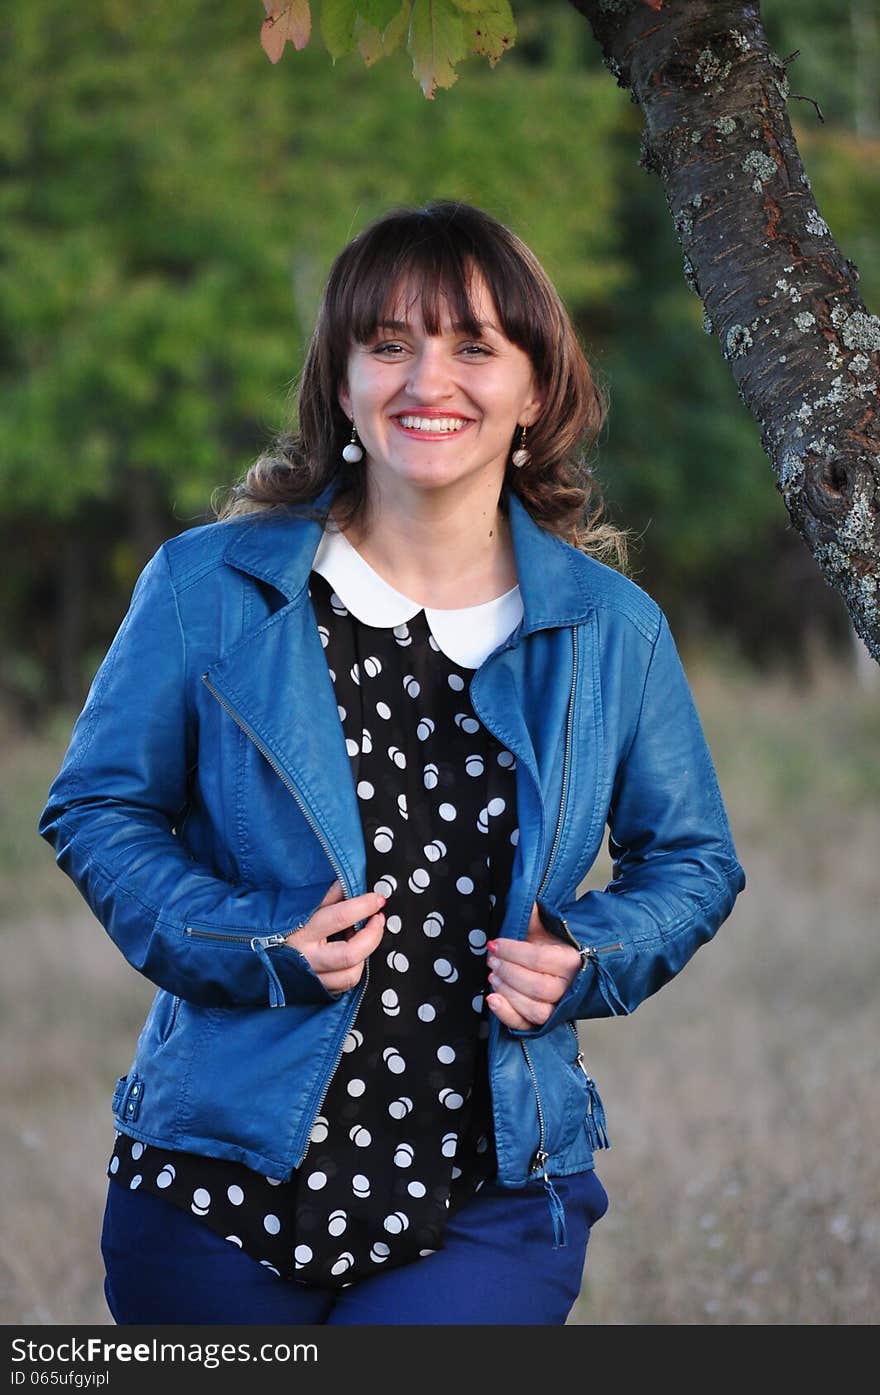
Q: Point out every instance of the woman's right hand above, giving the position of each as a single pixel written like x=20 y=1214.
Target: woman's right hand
x=339 y=963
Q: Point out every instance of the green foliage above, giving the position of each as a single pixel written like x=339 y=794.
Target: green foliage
x=170 y=204
x=438 y=34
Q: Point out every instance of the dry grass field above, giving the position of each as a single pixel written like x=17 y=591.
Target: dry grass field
x=743 y=1100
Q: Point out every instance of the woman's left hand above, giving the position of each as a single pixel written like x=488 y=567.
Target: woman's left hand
x=528 y=977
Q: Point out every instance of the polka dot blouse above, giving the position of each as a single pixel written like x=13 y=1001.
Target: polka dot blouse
x=404 y=1134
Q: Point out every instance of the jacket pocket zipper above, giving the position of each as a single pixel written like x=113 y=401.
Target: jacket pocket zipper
x=595 y=1122
x=243 y=939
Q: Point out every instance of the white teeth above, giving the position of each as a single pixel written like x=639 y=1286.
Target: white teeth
x=432 y=423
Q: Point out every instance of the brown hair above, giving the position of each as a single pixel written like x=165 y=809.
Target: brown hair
x=437 y=248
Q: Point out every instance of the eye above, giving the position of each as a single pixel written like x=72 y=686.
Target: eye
x=476 y=351
x=388 y=348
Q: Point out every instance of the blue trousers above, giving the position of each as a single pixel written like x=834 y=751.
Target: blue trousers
x=498 y=1266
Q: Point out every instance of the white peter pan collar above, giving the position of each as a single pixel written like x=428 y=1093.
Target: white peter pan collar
x=466 y=635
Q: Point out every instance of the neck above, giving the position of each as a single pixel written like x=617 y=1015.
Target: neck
x=440 y=551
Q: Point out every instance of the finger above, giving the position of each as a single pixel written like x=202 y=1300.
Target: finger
x=340 y=915
x=533 y=984
x=535 y=1012
x=542 y=956
x=329 y=956
x=506 y=1014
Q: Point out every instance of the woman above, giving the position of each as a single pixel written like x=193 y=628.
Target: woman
x=335 y=786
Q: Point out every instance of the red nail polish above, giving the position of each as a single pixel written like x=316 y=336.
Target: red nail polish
x=492 y=946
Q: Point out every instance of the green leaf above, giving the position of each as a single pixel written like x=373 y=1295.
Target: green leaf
x=378 y=13
x=489 y=32
x=337 y=26
x=436 y=43
x=374 y=43
x=474 y=7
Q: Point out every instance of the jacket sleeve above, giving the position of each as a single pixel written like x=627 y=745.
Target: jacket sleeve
x=676 y=874
x=112 y=815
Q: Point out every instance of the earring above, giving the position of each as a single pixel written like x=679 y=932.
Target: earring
x=354 y=451
x=521 y=456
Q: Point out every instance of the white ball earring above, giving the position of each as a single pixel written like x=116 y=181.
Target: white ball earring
x=354 y=451
x=521 y=456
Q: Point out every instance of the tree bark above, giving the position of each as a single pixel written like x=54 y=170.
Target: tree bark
x=778 y=294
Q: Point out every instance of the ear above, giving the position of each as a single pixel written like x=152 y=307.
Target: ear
x=531 y=409
x=343 y=397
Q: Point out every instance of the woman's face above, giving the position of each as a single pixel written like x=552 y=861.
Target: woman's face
x=436 y=410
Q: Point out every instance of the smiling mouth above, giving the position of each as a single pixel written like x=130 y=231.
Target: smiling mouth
x=445 y=426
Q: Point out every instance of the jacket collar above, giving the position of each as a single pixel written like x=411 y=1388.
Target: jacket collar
x=279 y=547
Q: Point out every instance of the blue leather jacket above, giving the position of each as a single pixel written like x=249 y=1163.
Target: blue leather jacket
x=206 y=804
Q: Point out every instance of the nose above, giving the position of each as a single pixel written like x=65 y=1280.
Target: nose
x=429 y=380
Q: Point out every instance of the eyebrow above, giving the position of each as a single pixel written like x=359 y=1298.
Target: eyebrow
x=402 y=326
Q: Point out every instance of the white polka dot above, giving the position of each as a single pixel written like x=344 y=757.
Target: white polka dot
x=433 y=925
x=372 y=666
x=411 y=686
x=302 y=1254
x=477 y=1003
x=403 y=1155
x=380 y=1252
x=449 y=1145
x=464 y=885
x=394 y=924
x=344 y=1262
x=506 y=758
x=271 y=1224
x=451 y=1099
x=435 y=850
x=383 y=710
x=426 y=1013
x=365 y=789
x=514 y=837
x=235 y=1194
x=317 y=1180
x=396 y=1222
x=366 y=742
x=477 y=940
x=425 y=728
x=351 y=746
x=165 y=1178
x=360 y=1184
x=319 y=1127
x=234 y=1240
x=360 y=1137
x=356 y=1088
x=430 y=777
x=398 y=1109
x=483 y=822
x=137 y=1150
x=397 y=961
x=421 y=877
x=416 y=1188
x=337 y=1223
x=399 y=758
x=135 y=1182
x=447 y=812
x=342 y=712
x=114 y=1166
x=456 y=682
x=474 y=765
x=202 y=1197
x=445 y=1055
x=496 y=807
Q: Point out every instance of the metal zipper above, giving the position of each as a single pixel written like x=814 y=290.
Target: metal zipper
x=265 y=940
x=566 y=763
x=539 y=1161
x=280 y=939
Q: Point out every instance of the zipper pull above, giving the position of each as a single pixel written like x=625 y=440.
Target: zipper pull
x=259 y=945
x=607 y=986
x=557 y=1211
